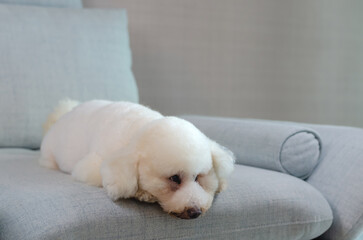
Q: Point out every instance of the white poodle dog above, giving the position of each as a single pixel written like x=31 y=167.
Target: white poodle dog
x=135 y=152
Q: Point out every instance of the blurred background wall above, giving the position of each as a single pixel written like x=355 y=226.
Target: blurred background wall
x=271 y=59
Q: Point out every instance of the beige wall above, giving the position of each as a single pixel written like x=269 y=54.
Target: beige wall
x=284 y=60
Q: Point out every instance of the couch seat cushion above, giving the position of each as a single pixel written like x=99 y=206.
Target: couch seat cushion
x=38 y=203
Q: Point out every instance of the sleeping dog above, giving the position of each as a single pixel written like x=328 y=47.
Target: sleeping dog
x=135 y=152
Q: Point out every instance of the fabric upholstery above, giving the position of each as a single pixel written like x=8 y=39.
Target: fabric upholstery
x=48 y=54
x=38 y=203
x=338 y=175
x=291 y=149
x=48 y=3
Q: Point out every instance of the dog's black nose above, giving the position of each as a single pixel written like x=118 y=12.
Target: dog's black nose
x=194 y=212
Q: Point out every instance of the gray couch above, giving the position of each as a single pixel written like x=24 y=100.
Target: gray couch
x=291 y=181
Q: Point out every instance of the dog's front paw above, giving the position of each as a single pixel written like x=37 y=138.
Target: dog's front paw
x=144 y=196
x=113 y=191
x=87 y=170
x=118 y=178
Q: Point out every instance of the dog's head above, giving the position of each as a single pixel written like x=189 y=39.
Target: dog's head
x=173 y=163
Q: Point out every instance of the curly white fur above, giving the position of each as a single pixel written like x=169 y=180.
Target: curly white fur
x=133 y=151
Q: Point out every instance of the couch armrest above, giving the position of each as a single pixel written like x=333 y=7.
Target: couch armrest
x=289 y=148
x=338 y=176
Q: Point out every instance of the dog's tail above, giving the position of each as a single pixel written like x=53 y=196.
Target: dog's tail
x=64 y=106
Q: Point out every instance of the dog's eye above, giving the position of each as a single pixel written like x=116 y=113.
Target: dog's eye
x=196 y=178
x=176 y=179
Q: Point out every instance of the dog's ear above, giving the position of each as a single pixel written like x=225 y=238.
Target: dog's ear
x=120 y=174
x=223 y=163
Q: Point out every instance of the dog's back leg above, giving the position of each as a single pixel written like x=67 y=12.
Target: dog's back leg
x=87 y=170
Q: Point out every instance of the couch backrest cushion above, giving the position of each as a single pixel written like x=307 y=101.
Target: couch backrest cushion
x=48 y=54
x=52 y=3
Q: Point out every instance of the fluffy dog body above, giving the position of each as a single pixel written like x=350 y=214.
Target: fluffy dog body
x=133 y=151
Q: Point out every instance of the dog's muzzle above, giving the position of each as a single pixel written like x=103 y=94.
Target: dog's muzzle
x=189 y=213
